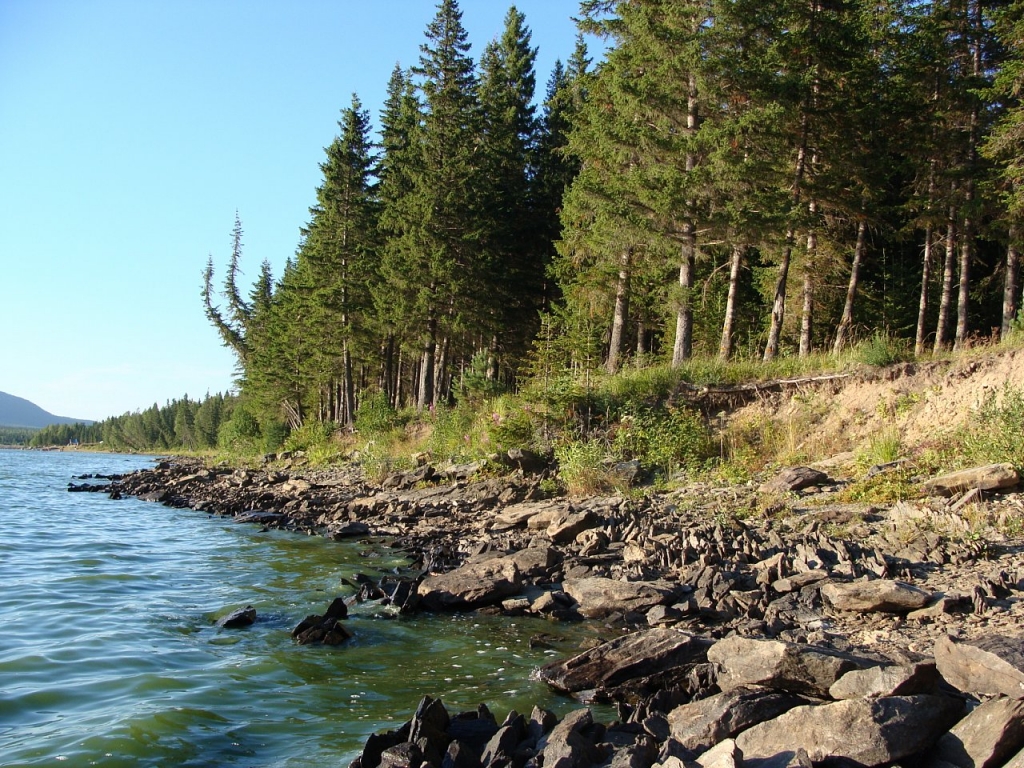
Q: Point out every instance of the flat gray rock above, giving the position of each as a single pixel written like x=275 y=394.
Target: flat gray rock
x=599 y=596
x=867 y=731
x=879 y=595
x=703 y=723
x=473 y=585
x=990 y=666
x=986 y=738
x=780 y=665
x=896 y=680
x=988 y=478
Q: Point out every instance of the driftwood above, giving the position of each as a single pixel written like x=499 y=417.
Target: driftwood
x=732 y=395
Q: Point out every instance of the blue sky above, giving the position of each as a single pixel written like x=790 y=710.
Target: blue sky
x=130 y=133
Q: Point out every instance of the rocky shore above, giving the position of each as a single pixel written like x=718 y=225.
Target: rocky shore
x=766 y=623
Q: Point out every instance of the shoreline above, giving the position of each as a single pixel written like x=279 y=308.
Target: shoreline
x=677 y=575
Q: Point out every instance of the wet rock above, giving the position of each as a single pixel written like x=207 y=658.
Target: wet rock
x=781 y=665
x=240 y=617
x=625 y=659
x=986 y=738
x=987 y=478
x=991 y=666
x=600 y=596
x=896 y=680
x=347 y=530
x=877 y=595
x=701 y=724
x=326 y=628
x=475 y=584
x=869 y=732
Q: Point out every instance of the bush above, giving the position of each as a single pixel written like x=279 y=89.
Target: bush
x=375 y=416
x=664 y=439
x=310 y=435
x=883 y=349
x=997 y=434
x=240 y=433
x=581 y=466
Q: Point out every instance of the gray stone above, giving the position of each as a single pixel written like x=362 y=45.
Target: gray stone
x=897 y=680
x=624 y=659
x=781 y=665
x=869 y=732
x=240 y=617
x=878 y=595
x=988 y=478
x=987 y=737
x=725 y=754
x=703 y=723
x=795 y=479
x=569 y=525
x=566 y=746
x=990 y=666
x=475 y=584
x=599 y=596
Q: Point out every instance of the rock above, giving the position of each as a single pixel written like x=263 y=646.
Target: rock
x=988 y=478
x=703 y=723
x=518 y=515
x=567 y=746
x=624 y=659
x=877 y=595
x=986 y=738
x=536 y=562
x=347 y=530
x=990 y=666
x=475 y=584
x=569 y=525
x=869 y=732
x=795 y=479
x=781 y=665
x=527 y=461
x=404 y=755
x=896 y=680
x=502 y=745
x=629 y=472
x=240 y=617
x=725 y=754
x=325 y=629
x=798 y=581
x=599 y=596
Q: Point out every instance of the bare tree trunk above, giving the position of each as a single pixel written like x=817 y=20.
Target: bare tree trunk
x=851 y=289
x=641 y=341
x=771 y=348
x=807 y=311
x=348 y=389
x=966 y=257
x=922 y=307
x=735 y=264
x=683 y=347
x=425 y=393
x=948 y=269
x=621 y=313
x=1011 y=284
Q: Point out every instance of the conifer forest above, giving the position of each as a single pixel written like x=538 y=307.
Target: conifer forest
x=728 y=178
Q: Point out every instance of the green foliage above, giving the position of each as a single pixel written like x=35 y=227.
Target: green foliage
x=996 y=434
x=883 y=488
x=665 y=439
x=883 y=349
x=375 y=416
x=240 y=433
x=582 y=467
x=509 y=423
x=309 y=435
x=452 y=434
x=16 y=435
x=274 y=435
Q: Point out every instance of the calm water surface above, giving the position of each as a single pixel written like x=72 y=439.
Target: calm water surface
x=109 y=653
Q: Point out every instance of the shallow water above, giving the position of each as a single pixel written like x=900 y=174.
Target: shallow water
x=109 y=652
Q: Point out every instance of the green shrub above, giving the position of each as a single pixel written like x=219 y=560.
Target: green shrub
x=309 y=435
x=997 y=434
x=451 y=436
x=375 y=416
x=240 y=433
x=274 y=435
x=664 y=439
x=883 y=349
x=509 y=423
x=582 y=467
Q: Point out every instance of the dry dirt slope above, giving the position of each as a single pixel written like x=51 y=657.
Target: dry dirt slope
x=919 y=401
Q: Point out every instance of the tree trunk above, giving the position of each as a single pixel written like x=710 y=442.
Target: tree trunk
x=807 y=311
x=425 y=393
x=1011 y=284
x=683 y=347
x=966 y=257
x=735 y=264
x=948 y=269
x=922 y=307
x=348 y=389
x=621 y=313
x=771 y=348
x=851 y=289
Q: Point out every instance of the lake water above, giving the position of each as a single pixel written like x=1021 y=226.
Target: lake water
x=110 y=656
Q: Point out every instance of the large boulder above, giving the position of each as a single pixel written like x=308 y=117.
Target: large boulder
x=475 y=584
x=868 y=732
x=780 y=665
x=895 y=680
x=988 y=478
x=878 y=595
x=991 y=666
x=986 y=738
x=703 y=723
x=624 y=659
x=599 y=596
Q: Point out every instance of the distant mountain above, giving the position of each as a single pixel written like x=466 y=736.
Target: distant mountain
x=19 y=412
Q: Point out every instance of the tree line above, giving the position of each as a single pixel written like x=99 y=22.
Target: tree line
x=183 y=424
x=734 y=177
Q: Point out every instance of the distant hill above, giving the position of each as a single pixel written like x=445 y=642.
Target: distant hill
x=19 y=412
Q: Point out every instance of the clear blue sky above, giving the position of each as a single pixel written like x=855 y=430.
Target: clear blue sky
x=132 y=130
